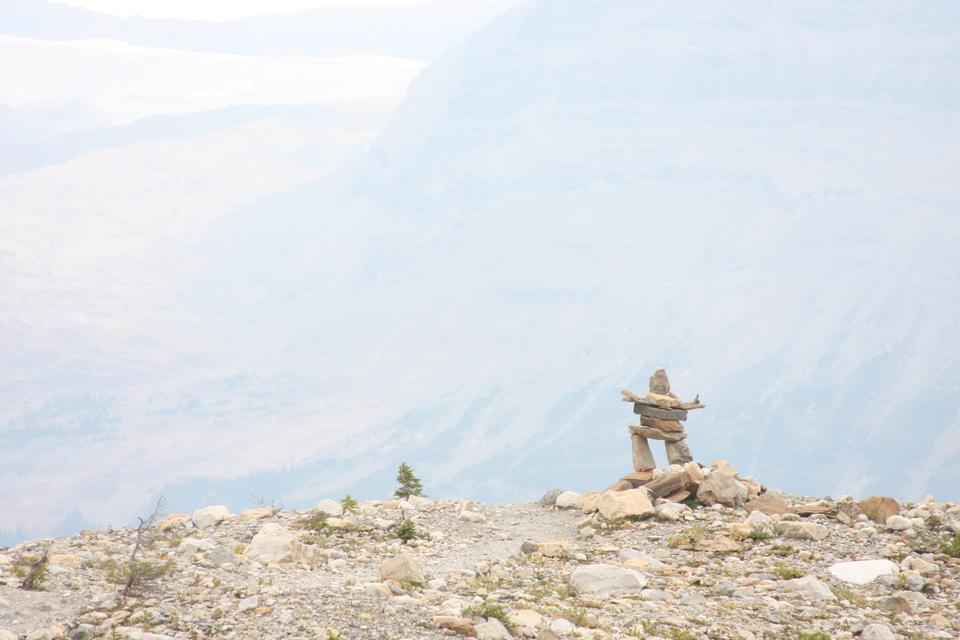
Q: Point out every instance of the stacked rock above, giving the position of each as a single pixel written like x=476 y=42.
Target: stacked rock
x=662 y=414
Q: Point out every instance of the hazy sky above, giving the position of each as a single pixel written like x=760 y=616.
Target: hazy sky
x=221 y=9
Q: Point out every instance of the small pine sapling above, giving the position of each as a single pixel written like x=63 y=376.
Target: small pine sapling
x=410 y=484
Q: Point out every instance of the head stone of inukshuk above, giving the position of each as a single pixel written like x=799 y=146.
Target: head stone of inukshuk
x=662 y=414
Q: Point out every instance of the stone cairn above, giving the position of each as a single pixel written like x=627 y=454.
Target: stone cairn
x=662 y=414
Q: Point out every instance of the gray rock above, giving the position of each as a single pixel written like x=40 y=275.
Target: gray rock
x=550 y=497
x=803 y=530
x=810 y=588
x=568 y=500
x=760 y=521
x=248 y=604
x=657 y=412
x=671 y=511
x=877 y=632
x=607 y=579
x=528 y=546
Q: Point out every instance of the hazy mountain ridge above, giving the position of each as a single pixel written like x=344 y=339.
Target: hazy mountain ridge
x=575 y=196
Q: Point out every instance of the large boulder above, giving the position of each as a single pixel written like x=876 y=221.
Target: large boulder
x=633 y=503
x=768 y=504
x=722 y=488
x=403 y=568
x=210 y=516
x=273 y=543
x=568 y=500
x=862 y=571
x=607 y=579
x=879 y=508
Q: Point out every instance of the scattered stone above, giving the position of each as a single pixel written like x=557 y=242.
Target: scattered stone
x=273 y=543
x=898 y=523
x=462 y=626
x=607 y=579
x=896 y=604
x=862 y=571
x=526 y=618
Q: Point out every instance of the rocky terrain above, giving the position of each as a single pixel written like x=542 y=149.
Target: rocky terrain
x=599 y=565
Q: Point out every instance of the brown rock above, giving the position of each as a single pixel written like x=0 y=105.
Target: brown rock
x=879 y=508
x=661 y=400
x=678 y=496
x=678 y=452
x=694 y=472
x=659 y=382
x=554 y=549
x=656 y=434
x=620 y=485
x=642 y=456
x=590 y=502
x=634 y=503
x=768 y=504
x=673 y=426
x=463 y=626
x=639 y=478
x=896 y=604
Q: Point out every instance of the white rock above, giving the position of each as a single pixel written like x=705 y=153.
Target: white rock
x=210 y=516
x=403 y=568
x=877 y=632
x=7 y=635
x=810 y=588
x=40 y=634
x=273 y=543
x=899 y=523
x=329 y=507
x=759 y=521
x=562 y=627
x=492 y=629
x=525 y=618
x=862 y=571
x=569 y=500
x=607 y=578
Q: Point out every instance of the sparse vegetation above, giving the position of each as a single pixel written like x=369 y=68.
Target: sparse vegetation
x=406 y=531
x=410 y=484
x=689 y=536
x=851 y=596
x=349 y=503
x=760 y=533
x=315 y=521
x=32 y=570
x=488 y=610
x=784 y=550
x=785 y=572
x=812 y=635
x=951 y=547
x=136 y=574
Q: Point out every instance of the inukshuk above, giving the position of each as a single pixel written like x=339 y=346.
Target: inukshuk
x=662 y=414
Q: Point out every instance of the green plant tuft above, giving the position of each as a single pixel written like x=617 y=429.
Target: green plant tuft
x=406 y=531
